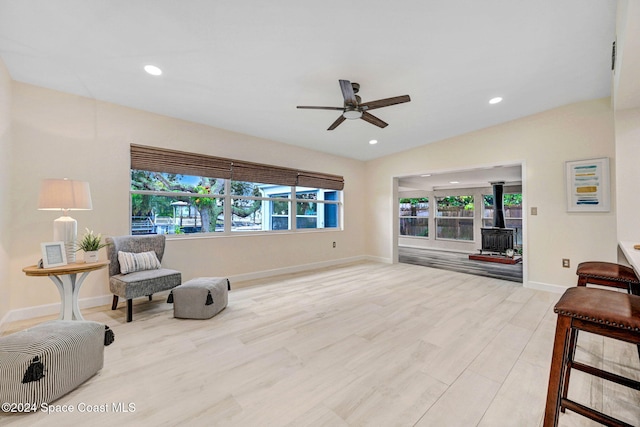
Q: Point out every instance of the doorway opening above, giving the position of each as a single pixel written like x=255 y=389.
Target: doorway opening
x=441 y=215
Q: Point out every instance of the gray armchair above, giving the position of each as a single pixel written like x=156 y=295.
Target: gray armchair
x=148 y=279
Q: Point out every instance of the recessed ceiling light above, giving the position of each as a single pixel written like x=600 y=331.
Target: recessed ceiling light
x=425 y=175
x=454 y=182
x=373 y=141
x=153 y=70
x=495 y=100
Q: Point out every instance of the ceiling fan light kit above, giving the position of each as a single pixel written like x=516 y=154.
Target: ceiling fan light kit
x=354 y=108
x=351 y=114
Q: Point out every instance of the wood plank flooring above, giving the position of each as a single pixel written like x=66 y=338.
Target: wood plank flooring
x=460 y=262
x=365 y=344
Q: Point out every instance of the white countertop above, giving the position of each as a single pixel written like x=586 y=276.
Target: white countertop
x=632 y=255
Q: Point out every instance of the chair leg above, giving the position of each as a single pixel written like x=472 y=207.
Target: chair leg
x=558 y=366
x=129 y=310
x=114 y=304
x=571 y=354
x=151 y=297
x=634 y=289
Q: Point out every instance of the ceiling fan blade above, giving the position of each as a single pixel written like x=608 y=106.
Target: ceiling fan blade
x=336 y=123
x=373 y=120
x=347 y=93
x=385 y=102
x=307 y=107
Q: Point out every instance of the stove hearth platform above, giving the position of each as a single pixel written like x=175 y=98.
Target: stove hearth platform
x=495 y=258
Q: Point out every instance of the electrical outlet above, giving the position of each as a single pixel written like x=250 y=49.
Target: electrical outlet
x=534 y=211
x=334 y=244
x=566 y=263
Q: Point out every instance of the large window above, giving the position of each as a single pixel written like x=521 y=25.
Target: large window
x=414 y=217
x=188 y=203
x=454 y=217
x=271 y=204
x=512 y=213
x=163 y=203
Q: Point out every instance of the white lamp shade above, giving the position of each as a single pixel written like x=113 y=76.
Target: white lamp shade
x=64 y=194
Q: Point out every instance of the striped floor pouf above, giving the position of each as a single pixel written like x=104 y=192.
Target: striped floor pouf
x=43 y=363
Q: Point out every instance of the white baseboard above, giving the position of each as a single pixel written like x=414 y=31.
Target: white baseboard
x=49 y=309
x=556 y=289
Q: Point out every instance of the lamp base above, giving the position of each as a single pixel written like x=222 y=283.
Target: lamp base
x=65 y=229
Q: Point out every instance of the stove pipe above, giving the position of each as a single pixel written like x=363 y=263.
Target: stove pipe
x=498 y=204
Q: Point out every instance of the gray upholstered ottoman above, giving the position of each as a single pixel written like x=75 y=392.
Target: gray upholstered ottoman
x=42 y=363
x=200 y=298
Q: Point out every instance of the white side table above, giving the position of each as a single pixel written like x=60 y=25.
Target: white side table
x=68 y=283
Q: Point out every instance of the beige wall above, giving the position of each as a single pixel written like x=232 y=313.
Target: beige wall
x=59 y=135
x=628 y=174
x=542 y=143
x=626 y=88
x=5 y=187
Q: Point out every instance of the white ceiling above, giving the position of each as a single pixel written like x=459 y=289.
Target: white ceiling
x=245 y=65
x=479 y=177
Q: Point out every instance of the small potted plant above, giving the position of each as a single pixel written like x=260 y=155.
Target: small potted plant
x=91 y=244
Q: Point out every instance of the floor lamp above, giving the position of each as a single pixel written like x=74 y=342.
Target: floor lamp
x=65 y=195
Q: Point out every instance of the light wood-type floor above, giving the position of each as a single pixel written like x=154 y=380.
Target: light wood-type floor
x=363 y=344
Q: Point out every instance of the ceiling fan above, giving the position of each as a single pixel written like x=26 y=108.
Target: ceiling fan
x=354 y=108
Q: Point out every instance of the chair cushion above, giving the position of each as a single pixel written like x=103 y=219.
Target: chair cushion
x=130 y=262
x=615 y=309
x=607 y=271
x=143 y=283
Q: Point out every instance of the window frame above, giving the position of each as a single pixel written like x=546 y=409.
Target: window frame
x=422 y=218
x=228 y=197
x=437 y=217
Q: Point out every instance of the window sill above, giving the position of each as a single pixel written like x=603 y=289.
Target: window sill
x=197 y=236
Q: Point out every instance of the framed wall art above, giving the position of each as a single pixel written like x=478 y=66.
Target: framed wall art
x=53 y=254
x=588 y=187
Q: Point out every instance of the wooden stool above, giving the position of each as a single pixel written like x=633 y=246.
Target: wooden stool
x=608 y=274
x=611 y=314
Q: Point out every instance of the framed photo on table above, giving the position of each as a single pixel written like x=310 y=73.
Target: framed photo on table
x=588 y=188
x=53 y=254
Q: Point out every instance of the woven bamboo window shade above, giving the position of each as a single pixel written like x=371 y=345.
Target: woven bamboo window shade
x=320 y=180
x=265 y=174
x=172 y=161
x=181 y=162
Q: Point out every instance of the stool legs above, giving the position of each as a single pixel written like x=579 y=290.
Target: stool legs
x=557 y=373
x=562 y=363
x=571 y=354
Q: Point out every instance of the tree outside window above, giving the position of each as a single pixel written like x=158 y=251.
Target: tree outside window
x=175 y=204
